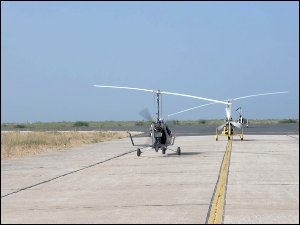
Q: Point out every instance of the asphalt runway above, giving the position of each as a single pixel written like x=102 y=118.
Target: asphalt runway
x=200 y=130
x=195 y=130
x=107 y=183
x=256 y=129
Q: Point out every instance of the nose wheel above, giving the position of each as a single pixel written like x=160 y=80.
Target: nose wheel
x=138 y=152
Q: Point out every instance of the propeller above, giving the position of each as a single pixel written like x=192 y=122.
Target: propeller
x=221 y=127
x=146 y=114
x=237 y=125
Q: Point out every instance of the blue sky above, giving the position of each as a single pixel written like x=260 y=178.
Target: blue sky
x=53 y=53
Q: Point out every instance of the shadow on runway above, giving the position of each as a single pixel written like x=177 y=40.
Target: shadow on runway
x=243 y=140
x=185 y=153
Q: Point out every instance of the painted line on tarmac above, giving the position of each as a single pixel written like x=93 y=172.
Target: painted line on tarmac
x=292 y=136
x=74 y=171
x=216 y=208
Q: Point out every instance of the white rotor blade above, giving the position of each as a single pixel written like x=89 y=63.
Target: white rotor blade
x=164 y=92
x=272 y=93
x=191 y=96
x=192 y=108
x=138 y=89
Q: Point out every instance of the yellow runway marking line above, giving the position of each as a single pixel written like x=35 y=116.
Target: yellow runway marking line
x=217 y=205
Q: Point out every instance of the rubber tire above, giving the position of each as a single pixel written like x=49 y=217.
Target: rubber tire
x=163 y=150
x=138 y=152
x=178 y=152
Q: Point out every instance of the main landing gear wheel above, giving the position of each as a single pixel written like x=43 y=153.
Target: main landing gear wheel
x=178 y=152
x=138 y=152
x=156 y=149
x=163 y=150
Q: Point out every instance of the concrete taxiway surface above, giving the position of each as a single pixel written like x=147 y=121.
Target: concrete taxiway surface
x=263 y=181
x=108 y=183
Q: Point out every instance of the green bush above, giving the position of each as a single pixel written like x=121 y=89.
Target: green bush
x=288 y=121
x=139 y=123
x=176 y=122
x=201 y=122
x=81 y=124
x=19 y=126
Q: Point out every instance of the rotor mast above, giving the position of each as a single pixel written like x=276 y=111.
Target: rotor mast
x=157 y=100
x=228 y=110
